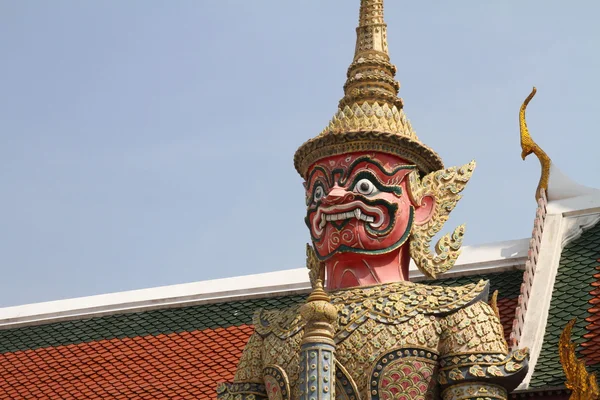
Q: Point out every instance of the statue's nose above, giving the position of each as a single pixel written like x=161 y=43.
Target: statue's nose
x=337 y=195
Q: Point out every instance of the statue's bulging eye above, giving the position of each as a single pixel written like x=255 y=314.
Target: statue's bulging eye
x=366 y=187
x=319 y=193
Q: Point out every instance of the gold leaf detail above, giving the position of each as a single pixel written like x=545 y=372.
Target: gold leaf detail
x=494 y=371
x=583 y=385
x=444 y=186
x=370 y=117
x=315 y=267
x=494 y=304
x=476 y=370
x=528 y=146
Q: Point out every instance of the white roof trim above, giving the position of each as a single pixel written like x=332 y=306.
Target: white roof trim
x=480 y=259
x=561 y=186
x=588 y=204
x=565 y=221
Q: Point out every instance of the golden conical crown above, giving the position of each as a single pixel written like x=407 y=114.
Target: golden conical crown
x=370 y=116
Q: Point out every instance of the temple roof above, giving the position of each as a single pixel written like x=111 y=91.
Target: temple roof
x=561 y=280
x=177 y=352
x=573 y=298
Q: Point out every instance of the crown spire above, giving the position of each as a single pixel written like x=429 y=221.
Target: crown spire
x=370 y=116
x=371 y=75
x=371 y=12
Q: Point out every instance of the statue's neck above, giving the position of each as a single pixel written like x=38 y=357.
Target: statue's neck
x=350 y=269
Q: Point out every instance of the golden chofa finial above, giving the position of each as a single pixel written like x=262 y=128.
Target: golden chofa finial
x=528 y=146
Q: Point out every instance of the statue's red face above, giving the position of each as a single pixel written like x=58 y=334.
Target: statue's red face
x=358 y=203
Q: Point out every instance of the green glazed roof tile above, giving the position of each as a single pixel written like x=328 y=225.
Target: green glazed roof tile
x=207 y=316
x=570 y=299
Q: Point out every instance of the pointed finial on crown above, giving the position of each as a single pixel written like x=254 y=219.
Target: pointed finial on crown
x=371 y=75
x=370 y=115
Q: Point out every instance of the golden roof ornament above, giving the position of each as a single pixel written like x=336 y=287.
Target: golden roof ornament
x=553 y=184
x=583 y=385
x=528 y=146
x=370 y=116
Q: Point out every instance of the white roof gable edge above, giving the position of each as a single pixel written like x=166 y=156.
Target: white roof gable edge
x=566 y=219
x=480 y=259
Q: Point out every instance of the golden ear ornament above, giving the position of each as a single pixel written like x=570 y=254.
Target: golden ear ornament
x=583 y=385
x=444 y=186
x=494 y=304
x=316 y=269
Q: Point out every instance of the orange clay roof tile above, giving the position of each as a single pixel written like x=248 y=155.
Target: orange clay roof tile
x=118 y=369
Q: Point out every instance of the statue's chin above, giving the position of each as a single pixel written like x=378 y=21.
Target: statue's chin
x=344 y=270
x=345 y=253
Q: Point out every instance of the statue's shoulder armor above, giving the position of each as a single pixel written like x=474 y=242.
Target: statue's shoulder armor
x=282 y=323
x=397 y=302
x=458 y=297
x=392 y=303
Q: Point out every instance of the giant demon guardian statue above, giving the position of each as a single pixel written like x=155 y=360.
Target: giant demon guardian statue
x=376 y=196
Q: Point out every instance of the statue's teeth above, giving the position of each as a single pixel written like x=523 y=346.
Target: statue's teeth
x=323 y=222
x=356 y=213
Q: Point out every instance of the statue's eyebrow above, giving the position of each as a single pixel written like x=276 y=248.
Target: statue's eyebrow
x=379 y=166
x=313 y=172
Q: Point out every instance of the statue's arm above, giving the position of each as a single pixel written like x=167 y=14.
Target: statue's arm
x=248 y=381
x=475 y=360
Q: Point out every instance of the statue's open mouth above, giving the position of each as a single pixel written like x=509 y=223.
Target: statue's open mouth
x=356 y=213
x=355 y=209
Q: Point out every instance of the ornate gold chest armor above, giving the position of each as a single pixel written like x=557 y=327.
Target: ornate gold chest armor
x=399 y=340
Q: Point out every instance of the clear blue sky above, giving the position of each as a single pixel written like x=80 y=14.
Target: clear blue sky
x=147 y=143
